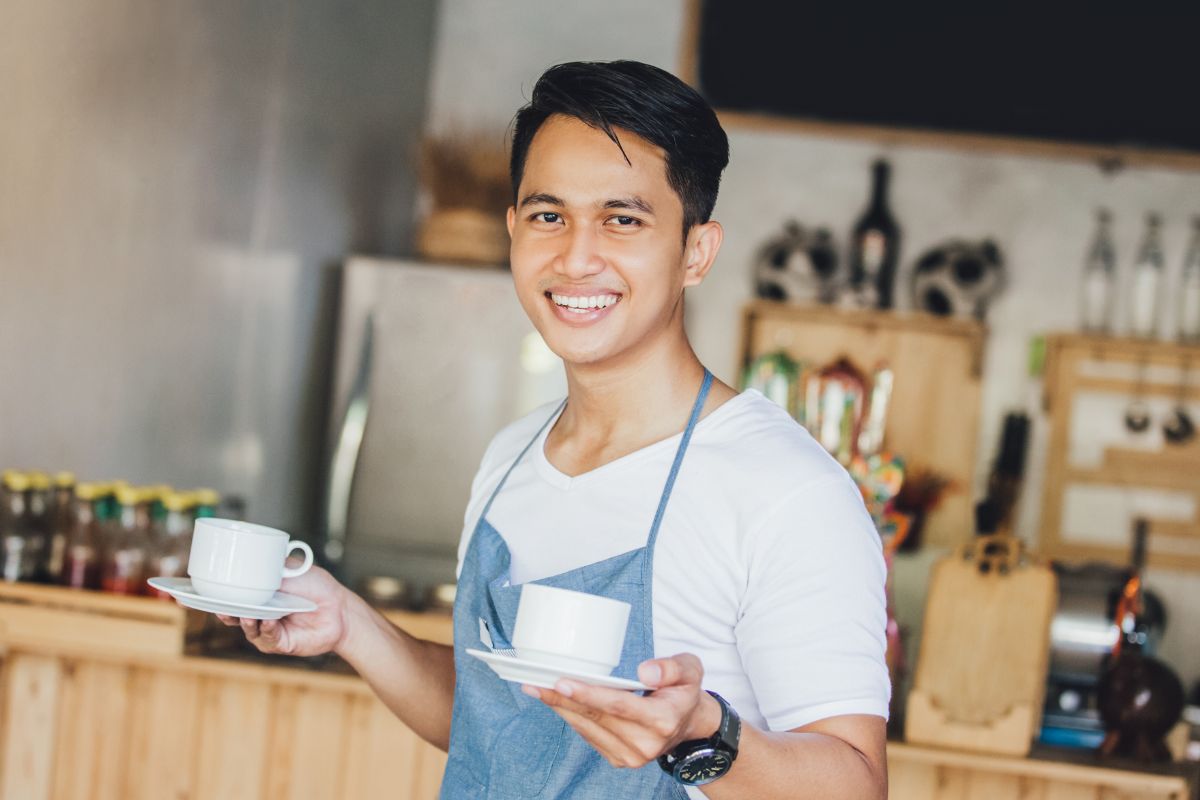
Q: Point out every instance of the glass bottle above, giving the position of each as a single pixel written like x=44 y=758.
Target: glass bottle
x=169 y=556
x=1145 y=294
x=61 y=522
x=875 y=245
x=1099 y=278
x=1189 y=289
x=124 y=566
x=83 y=551
x=206 y=501
x=38 y=509
x=18 y=534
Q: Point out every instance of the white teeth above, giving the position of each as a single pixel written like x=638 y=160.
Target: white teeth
x=582 y=304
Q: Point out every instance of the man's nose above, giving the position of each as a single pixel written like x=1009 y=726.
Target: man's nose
x=580 y=256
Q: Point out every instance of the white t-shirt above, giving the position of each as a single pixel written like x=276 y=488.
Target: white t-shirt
x=767 y=565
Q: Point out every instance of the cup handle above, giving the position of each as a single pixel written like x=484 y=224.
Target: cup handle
x=292 y=572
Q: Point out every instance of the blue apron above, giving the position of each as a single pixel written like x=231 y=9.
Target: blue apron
x=507 y=745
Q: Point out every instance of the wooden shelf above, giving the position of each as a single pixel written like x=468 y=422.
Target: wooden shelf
x=933 y=417
x=1080 y=364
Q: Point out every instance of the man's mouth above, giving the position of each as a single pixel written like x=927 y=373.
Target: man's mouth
x=583 y=305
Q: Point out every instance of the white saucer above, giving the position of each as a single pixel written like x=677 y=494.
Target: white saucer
x=531 y=673
x=186 y=595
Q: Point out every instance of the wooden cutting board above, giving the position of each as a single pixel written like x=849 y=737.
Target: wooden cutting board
x=981 y=668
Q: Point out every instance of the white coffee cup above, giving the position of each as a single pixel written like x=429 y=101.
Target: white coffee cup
x=241 y=562
x=570 y=630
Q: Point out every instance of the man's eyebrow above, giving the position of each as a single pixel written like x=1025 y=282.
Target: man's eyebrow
x=541 y=197
x=633 y=202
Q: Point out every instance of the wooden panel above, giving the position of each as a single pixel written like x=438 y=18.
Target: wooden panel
x=31 y=690
x=1057 y=790
x=93 y=718
x=431 y=765
x=235 y=722
x=381 y=753
x=911 y=781
x=164 y=734
x=990 y=786
x=307 y=754
x=933 y=417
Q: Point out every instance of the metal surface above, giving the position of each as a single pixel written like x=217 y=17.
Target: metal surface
x=453 y=359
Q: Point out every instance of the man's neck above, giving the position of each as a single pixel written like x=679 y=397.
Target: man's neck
x=615 y=409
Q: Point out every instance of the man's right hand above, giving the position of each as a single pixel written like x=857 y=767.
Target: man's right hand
x=309 y=633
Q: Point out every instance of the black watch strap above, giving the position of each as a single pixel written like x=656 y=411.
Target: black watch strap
x=730 y=731
x=727 y=737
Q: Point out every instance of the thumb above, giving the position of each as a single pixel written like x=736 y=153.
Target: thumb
x=681 y=669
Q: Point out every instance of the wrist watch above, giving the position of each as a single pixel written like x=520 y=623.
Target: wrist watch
x=700 y=761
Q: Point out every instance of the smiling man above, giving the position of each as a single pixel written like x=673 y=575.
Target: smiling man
x=753 y=572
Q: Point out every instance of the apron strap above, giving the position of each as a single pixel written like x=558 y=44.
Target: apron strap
x=683 y=446
x=517 y=460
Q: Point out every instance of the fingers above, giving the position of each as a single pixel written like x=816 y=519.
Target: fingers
x=628 y=743
x=228 y=621
x=264 y=634
x=619 y=750
x=684 y=668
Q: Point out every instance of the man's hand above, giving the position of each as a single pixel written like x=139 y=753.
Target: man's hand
x=308 y=634
x=631 y=731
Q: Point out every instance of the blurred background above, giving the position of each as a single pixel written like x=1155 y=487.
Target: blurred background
x=238 y=241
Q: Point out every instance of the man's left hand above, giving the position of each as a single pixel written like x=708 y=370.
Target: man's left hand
x=631 y=730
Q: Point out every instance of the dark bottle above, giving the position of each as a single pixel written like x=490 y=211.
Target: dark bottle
x=61 y=522
x=82 y=552
x=875 y=246
x=19 y=537
x=122 y=570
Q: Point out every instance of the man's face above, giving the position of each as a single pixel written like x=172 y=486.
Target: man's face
x=597 y=253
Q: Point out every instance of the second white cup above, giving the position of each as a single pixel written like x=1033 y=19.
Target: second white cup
x=241 y=562
x=570 y=630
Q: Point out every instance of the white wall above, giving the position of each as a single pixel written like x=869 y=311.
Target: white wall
x=1041 y=212
x=177 y=180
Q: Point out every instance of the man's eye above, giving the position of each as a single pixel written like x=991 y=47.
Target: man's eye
x=546 y=216
x=627 y=222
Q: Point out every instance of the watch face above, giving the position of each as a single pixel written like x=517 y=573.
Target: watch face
x=703 y=766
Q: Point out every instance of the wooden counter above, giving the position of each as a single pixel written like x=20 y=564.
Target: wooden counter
x=92 y=718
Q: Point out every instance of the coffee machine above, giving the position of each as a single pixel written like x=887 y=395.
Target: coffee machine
x=1082 y=634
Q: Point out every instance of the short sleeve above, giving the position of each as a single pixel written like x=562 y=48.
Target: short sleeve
x=812 y=626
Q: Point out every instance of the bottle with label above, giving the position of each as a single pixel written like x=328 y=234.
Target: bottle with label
x=1189 y=289
x=169 y=554
x=38 y=509
x=1145 y=294
x=1099 y=278
x=83 y=551
x=124 y=566
x=61 y=516
x=875 y=246
x=19 y=538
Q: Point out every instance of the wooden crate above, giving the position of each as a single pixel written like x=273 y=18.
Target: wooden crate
x=933 y=419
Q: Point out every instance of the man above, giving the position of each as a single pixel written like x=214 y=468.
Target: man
x=753 y=572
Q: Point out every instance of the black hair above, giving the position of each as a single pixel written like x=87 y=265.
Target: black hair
x=645 y=100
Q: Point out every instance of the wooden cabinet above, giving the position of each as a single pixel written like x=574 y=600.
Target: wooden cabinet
x=923 y=773
x=201 y=728
x=86 y=723
x=933 y=417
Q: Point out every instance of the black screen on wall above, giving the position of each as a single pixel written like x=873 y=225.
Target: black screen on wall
x=1094 y=76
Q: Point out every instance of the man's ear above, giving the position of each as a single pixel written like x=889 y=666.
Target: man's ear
x=511 y=219
x=700 y=251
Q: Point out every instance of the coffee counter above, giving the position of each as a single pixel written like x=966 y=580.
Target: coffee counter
x=98 y=705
